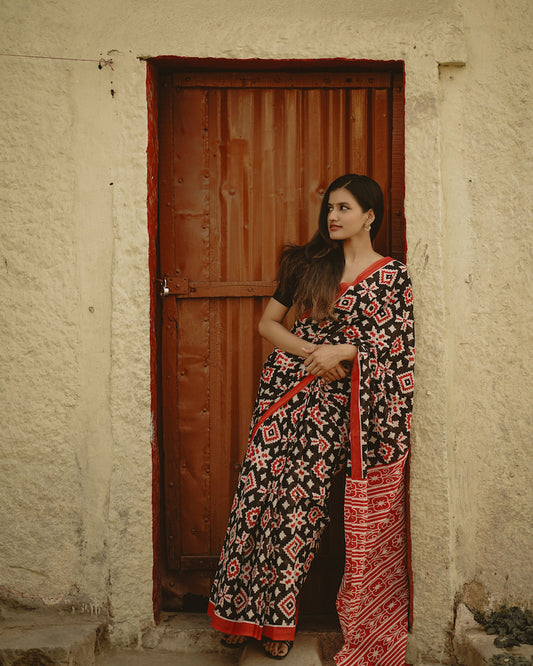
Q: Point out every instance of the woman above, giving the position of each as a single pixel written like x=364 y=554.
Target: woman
x=335 y=391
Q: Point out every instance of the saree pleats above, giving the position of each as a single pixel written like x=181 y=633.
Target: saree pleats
x=279 y=513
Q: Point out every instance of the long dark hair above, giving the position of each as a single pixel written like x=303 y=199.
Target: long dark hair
x=317 y=266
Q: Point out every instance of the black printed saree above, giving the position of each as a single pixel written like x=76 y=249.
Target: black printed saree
x=303 y=432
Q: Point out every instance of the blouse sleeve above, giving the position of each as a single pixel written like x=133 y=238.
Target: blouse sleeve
x=284 y=294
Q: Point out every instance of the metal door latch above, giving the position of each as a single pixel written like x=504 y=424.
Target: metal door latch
x=163 y=287
x=173 y=286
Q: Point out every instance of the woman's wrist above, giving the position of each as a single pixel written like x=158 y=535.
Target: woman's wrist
x=349 y=352
x=307 y=348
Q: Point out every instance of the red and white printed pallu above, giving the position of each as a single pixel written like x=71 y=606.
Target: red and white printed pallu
x=373 y=600
x=303 y=432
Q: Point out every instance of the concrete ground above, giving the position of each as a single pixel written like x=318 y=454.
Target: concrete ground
x=153 y=658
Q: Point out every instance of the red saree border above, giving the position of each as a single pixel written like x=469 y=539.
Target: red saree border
x=407 y=477
x=366 y=273
x=279 y=403
x=356 y=450
x=241 y=628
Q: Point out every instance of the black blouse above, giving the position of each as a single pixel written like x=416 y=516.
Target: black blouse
x=284 y=294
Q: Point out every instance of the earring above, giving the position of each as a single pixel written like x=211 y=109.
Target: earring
x=367 y=225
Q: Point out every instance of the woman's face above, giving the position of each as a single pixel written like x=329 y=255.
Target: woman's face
x=345 y=216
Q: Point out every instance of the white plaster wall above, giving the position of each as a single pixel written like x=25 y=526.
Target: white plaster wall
x=486 y=138
x=75 y=294
x=40 y=331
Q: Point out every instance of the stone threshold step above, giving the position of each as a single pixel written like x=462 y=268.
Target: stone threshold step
x=306 y=652
x=192 y=632
x=48 y=637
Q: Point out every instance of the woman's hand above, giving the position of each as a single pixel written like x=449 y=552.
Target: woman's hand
x=338 y=372
x=324 y=359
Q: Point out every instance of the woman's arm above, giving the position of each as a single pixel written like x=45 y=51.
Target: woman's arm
x=320 y=358
x=271 y=328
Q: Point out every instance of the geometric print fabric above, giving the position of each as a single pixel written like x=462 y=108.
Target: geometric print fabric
x=278 y=515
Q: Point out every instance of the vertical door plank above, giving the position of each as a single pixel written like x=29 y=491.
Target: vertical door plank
x=235 y=190
x=357 y=135
x=191 y=181
x=240 y=140
x=315 y=181
x=381 y=168
x=169 y=339
x=398 y=245
x=191 y=209
x=267 y=161
x=287 y=189
x=336 y=156
x=222 y=476
x=193 y=421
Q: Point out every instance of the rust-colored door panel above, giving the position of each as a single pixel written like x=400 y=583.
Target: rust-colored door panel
x=245 y=158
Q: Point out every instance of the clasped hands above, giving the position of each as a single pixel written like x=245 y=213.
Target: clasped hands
x=326 y=360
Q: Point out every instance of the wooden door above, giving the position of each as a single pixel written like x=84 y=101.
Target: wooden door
x=245 y=158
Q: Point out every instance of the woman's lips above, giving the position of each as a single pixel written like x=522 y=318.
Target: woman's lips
x=334 y=227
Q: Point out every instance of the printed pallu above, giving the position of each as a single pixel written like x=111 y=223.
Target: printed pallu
x=303 y=432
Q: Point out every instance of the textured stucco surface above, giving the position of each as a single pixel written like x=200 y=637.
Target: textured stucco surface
x=74 y=302
x=486 y=138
